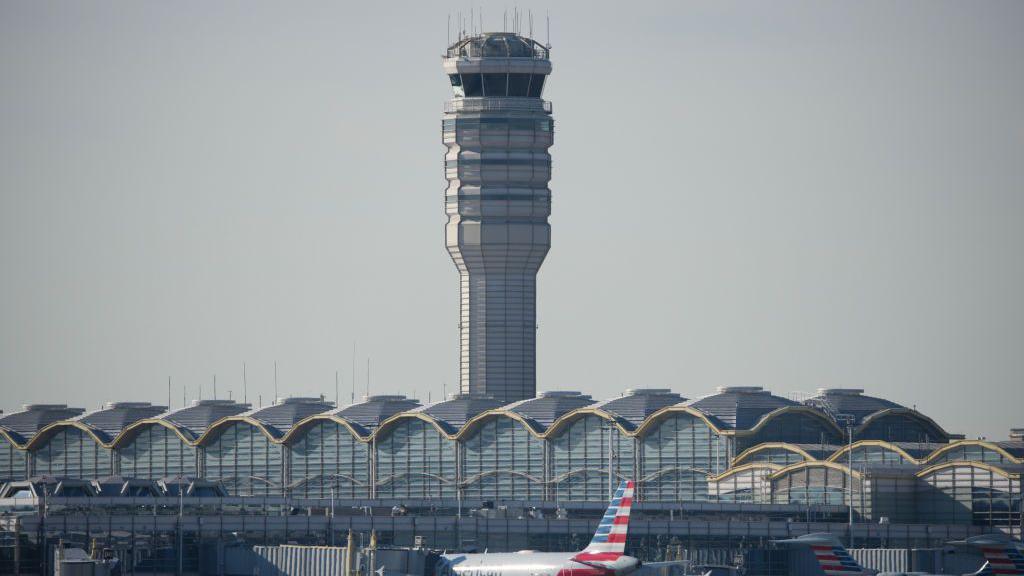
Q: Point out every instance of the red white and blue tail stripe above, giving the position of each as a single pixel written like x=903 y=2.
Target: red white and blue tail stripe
x=609 y=542
x=833 y=559
x=1004 y=556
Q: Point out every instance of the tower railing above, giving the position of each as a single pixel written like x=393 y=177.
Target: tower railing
x=504 y=104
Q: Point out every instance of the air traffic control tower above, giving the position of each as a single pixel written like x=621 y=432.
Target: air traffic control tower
x=498 y=131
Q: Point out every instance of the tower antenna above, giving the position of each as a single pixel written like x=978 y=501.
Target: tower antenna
x=448 y=36
x=367 y=376
x=531 y=23
x=275 y=380
x=548 y=16
x=168 y=392
x=245 y=386
x=337 y=396
x=184 y=396
x=214 y=386
x=353 y=371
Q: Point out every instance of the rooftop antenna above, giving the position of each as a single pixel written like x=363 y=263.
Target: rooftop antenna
x=448 y=36
x=480 y=15
x=229 y=395
x=548 y=17
x=200 y=391
x=261 y=401
x=214 y=386
x=444 y=390
x=367 y=376
x=472 y=20
x=504 y=21
x=531 y=23
x=353 y=371
x=184 y=396
x=168 y=392
x=245 y=386
x=275 y=380
x=337 y=396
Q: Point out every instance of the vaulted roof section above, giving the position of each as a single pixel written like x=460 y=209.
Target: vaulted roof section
x=21 y=426
x=636 y=405
x=739 y=407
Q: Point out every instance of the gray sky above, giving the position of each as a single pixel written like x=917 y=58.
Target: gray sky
x=782 y=194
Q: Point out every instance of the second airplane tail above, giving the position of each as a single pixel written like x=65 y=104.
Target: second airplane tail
x=609 y=541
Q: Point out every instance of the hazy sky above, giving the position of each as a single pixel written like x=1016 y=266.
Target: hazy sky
x=781 y=194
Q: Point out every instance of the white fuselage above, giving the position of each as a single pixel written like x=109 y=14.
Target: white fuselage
x=516 y=564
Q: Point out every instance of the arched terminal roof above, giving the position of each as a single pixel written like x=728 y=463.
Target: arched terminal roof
x=497 y=45
x=453 y=413
x=739 y=407
x=850 y=401
x=637 y=404
x=193 y=421
x=107 y=422
x=284 y=414
x=541 y=412
x=373 y=410
x=21 y=427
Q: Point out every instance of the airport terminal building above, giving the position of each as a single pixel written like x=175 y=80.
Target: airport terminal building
x=738 y=445
x=496 y=466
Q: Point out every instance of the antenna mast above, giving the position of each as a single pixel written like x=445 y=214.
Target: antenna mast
x=245 y=386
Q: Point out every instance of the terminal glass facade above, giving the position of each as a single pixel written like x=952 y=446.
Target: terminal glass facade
x=71 y=453
x=244 y=460
x=580 y=459
x=502 y=459
x=414 y=460
x=13 y=462
x=676 y=456
x=327 y=456
x=156 y=452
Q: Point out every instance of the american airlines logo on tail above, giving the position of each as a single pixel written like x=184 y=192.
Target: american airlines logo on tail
x=609 y=542
x=1004 y=556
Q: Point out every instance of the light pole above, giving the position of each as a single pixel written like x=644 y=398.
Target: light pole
x=847 y=420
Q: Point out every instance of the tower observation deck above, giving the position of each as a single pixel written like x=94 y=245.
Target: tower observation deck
x=498 y=131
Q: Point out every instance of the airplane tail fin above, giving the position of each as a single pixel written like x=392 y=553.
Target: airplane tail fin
x=1004 y=556
x=832 y=557
x=609 y=542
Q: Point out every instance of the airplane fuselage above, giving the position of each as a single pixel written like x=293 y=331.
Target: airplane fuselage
x=520 y=564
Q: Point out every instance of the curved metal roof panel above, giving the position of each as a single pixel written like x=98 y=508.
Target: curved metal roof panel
x=23 y=425
x=454 y=412
x=1014 y=447
x=375 y=409
x=109 y=421
x=739 y=407
x=196 y=419
x=637 y=404
x=547 y=407
x=280 y=417
x=849 y=401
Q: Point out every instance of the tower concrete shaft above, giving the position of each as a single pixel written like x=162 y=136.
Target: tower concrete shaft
x=498 y=131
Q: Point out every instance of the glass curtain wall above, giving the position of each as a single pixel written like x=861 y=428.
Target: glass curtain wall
x=415 y=461
x=579 y=459
x=13 y=462
x=325 y=456
x=677 y=455
x=504 y=445
x=154 y=453
x=71 y=453
x=245 y=461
